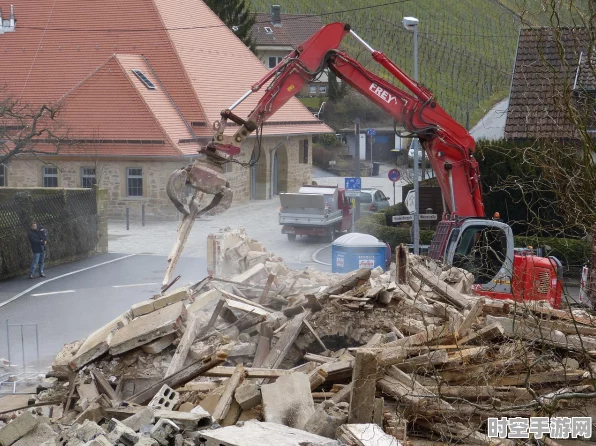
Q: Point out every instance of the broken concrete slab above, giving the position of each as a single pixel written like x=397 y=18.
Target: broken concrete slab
x=203 y=300
x=88 y=431
x=159 y=345
x=175 y=296
x=98 y=342
x=147 y=328
x=18 y=428
x=254 y=433
x=41 y=433
x=248 y=395
x=327 y=418
x=140 y=419
x=65 y=356
x=288 y=401
x=253 y=275
x=192 y=420
x=365 y=435
x=142 y=308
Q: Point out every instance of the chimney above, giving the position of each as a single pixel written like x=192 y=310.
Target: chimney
x=276 y=15
x=12 y=21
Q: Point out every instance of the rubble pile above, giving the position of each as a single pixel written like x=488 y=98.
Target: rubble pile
x=267 y=355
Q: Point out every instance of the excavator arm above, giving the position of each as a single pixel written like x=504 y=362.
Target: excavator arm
x=448 y=145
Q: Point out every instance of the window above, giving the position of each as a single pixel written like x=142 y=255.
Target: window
x=365 y=197
x=481 y=251
x=88 y=176
x=144 y=79
x=379 y=196
x=273 y=61
x=323 y=89
x=134 y=182
x=2 y=175
x=303 y=155
x=313 y=89
x=268 y=30
x=50 y=176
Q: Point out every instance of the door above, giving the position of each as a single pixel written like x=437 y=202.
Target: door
x=484 y=248
x=274 y=175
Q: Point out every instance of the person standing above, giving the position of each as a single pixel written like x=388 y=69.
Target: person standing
x=37 y=241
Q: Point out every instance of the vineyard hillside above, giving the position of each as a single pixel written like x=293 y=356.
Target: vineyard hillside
x=466 y=47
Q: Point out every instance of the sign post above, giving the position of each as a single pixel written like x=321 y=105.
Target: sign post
x=394 y=177
x=372 y=133
x=352 y=190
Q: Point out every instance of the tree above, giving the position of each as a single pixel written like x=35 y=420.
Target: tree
x=23 y=129
x=237 y=15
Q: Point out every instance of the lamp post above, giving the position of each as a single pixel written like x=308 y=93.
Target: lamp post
x=411 y=24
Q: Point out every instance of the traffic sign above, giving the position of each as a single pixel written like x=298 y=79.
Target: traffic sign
x=353 y=184
x=400 y=218
x=394 y=175
x=371 y=132
x=427 y=216
x=351 y=193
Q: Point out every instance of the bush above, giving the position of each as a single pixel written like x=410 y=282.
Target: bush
x=328 y=140
x=321 y=156
x=571 y=252
x=374 y=224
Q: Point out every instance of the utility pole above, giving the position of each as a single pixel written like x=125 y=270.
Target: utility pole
x=411 y=24
x=357 y=164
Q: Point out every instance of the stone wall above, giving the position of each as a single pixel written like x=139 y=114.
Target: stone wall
x=111 y=175
x=76 y=220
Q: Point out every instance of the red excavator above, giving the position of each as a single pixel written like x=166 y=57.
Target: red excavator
x=465 y=238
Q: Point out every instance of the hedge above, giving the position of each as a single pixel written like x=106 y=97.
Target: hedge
x=571 y=252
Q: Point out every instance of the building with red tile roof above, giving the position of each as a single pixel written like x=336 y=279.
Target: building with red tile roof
x=139 y=85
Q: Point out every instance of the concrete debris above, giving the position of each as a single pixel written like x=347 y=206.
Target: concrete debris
x=259 y=354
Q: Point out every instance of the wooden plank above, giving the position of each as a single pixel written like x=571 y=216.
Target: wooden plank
x=337 y=367
x=179 y=378
x=191 y=333
x=428 y=360
x=355 y=279
x=225 y=401
x=403 y=388
x=419 y=338
x=343 y=396
x=243 y=300
x=364 y=379
x=241 y=306
x=447 y=292
x=287 y=338
x=401 y=263
x=485 y=334
x=477 y=393
x=103 y=385
x=264 y=343
x=314 y=333
x=318 y=358
x=390 y=356
x=317 y=377
x=263 y=298
x=479 y=373
x=559 y=375
x=459 y=357
x=470 y=319
x=227 y=372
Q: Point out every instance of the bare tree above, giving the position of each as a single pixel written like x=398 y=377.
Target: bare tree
x=27 y=130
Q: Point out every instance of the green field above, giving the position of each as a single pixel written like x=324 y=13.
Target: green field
x=466 y=47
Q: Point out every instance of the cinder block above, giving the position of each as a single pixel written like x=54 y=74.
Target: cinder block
x=164 y=431
x=140 y=419
x=119 y=433
x=165 y=399
x=142 y=308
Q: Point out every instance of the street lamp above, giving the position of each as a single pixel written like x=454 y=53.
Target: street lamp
x=411 y=24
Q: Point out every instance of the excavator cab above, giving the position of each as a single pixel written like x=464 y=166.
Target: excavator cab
x=484 y=248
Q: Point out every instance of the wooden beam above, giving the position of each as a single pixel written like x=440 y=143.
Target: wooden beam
x=364 y=380
x=179 y=378
x=446 y=291
x=225 y=401
x=103 y=385
x=287 y=338
x=485 y=334
x=428 y=360
x=227 y=372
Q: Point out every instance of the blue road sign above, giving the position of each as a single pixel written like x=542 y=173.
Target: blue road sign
x=353 y=183
x=394 y=175
x=371 y=132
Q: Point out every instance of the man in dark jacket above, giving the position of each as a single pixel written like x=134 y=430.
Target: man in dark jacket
x=37 y=240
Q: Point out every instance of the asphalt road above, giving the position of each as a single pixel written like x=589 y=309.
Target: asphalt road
x=70 y=307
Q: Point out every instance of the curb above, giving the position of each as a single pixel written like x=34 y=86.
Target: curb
x=314 y=256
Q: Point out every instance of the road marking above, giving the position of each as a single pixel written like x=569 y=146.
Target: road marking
x=53 y=292
x=314 y=256
x=12 y=299
x=135 y=284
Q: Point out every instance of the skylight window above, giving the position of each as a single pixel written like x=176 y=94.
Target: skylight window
x=268 y=30
x=144 y=79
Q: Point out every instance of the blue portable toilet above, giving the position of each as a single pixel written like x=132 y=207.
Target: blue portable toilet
x=354 y=251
